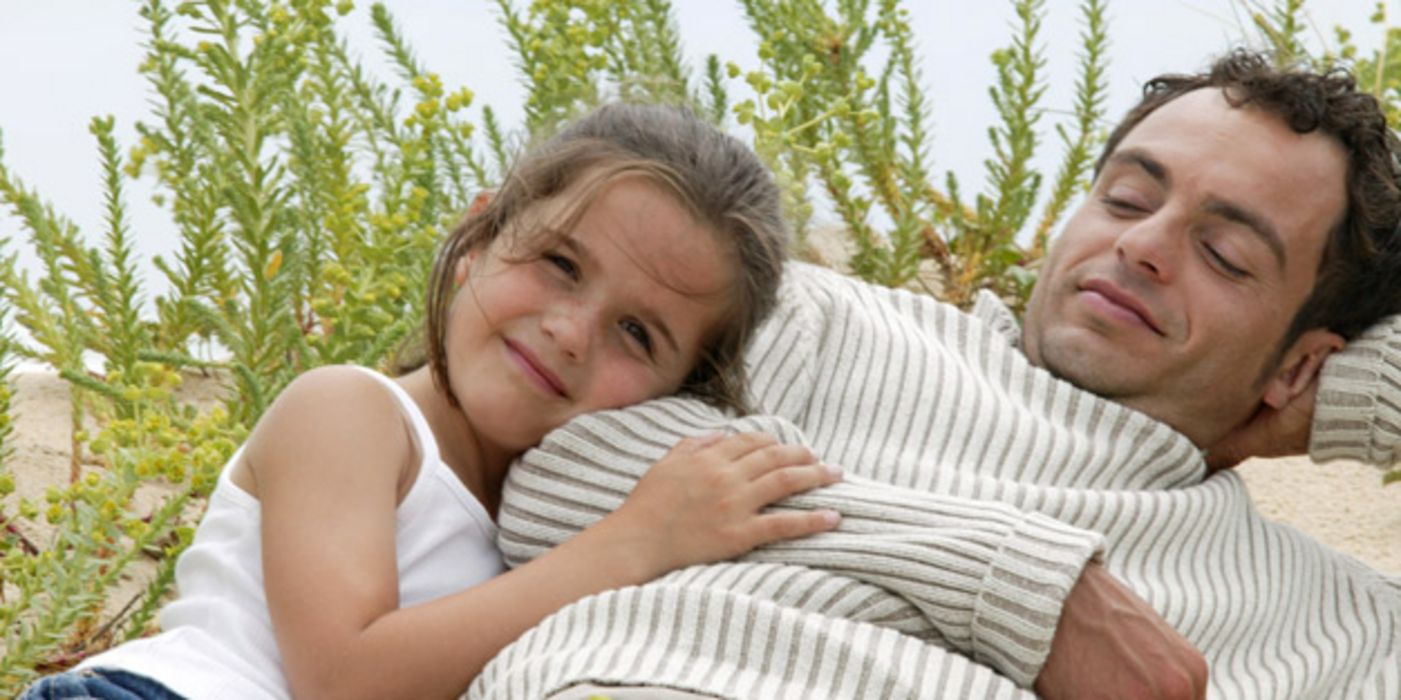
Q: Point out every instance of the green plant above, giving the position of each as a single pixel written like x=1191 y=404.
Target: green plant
x=307 y=198
x=831 y=117
x=572 y=54
x=174 y=454
x=7 y=428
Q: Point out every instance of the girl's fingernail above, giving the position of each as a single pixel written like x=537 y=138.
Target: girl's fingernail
x=831 y=517
x=833 y=471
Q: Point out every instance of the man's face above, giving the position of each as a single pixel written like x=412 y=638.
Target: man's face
x=1173 y=284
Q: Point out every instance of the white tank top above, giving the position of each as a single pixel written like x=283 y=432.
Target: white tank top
x=218 y=641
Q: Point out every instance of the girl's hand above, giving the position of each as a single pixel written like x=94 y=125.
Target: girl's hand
x=702 y=501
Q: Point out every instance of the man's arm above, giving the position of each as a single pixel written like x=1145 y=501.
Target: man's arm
x=1352 y=410
x=988 y=577
x=1111 y=644
x=1358 y=412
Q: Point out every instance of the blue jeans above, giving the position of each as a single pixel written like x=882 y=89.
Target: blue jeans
x=97 y=684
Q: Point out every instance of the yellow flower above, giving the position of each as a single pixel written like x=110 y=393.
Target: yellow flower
x=274 y=264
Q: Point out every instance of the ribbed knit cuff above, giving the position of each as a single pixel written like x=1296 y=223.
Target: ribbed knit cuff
x=1020 y=601
x=1358 y=411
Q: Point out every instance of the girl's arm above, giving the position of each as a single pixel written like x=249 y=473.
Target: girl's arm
x=331 y=457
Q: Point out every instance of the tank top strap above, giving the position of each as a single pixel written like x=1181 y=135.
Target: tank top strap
x=423 y=435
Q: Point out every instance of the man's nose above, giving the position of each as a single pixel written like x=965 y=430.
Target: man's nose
x=1149 y=247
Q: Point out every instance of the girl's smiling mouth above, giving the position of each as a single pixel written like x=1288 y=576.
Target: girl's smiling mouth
x=534 y=369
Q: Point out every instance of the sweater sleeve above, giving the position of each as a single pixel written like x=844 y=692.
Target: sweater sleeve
x=838 y=351
x=990 y=579
x=1358 y=411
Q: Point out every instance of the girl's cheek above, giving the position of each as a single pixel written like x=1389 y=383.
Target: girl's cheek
x=624 y=386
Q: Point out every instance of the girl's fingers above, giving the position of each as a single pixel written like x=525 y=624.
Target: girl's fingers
x=778 y=484
x=697 y=443
x=772 y=457
x=734 y=447
x=788 y=525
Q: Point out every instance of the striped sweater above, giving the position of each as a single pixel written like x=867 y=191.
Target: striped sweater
x=977 y=488
x=1358 y=411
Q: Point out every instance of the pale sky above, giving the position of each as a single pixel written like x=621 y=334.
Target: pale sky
x=63 y=61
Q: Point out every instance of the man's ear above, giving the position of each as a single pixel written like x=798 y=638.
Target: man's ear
x=1300 y=365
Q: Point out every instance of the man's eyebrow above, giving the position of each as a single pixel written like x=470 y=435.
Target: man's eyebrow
x=647 y=315
x=1141 y=159
x=1254 y=222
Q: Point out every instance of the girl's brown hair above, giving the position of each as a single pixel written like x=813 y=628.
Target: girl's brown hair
x=714 y=176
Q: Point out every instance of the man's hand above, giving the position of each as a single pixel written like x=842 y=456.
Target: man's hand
x=1271 y=432
x=1111 y=644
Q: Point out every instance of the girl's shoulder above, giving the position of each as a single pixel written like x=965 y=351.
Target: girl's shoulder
x=336 y=418
x=341 y=382
x=346 y=392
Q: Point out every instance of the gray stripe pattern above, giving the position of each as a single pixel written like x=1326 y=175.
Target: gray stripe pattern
x=977 y=488
x=725 y=644
x=1358 y=411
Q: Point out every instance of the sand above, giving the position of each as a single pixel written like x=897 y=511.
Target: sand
x=1341 y=504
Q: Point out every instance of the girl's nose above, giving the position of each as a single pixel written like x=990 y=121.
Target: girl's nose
x=568 y=326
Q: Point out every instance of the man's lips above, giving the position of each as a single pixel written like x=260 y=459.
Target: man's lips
x=534 y=369
x=1111 y=299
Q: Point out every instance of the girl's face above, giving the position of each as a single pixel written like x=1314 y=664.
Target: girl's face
x=612 y=314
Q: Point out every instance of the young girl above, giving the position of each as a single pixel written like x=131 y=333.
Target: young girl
x=348 y=550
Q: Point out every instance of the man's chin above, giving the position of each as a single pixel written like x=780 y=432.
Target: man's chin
x=1094 y=372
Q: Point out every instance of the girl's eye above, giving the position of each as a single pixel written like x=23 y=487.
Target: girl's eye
x=639 y=333
x=1225 y=265
x=564 y=264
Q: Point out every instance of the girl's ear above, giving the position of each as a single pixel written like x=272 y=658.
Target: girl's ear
x=480 y=201
x=459 y=271
x=464 y=266
x=1300 y=365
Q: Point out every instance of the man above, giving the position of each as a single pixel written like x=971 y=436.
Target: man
x=1241 y=226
